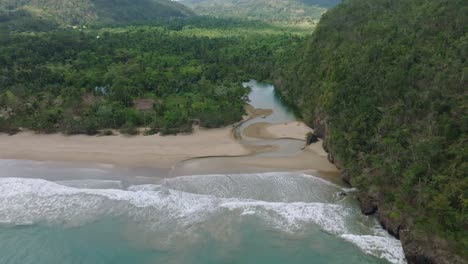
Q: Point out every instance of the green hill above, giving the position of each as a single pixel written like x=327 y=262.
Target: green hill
x=282 y=11
x=385 y=82
x=82 y=12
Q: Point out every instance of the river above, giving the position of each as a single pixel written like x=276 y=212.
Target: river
x=228 y=210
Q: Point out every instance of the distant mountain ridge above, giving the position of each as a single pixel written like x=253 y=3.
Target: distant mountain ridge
x=322 y=3
x=289 y=11
x=79 y=12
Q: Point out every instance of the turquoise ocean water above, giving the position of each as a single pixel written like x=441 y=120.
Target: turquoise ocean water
x=240 y=218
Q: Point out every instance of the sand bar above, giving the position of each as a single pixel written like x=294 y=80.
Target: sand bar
x=263 y=130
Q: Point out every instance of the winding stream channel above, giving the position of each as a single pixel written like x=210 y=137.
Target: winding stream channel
x=280 y=204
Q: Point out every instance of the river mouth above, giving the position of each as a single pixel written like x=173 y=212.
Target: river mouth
x=267 y=154
x=276 y=205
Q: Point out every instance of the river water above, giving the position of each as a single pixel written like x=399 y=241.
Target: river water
x=54 y=213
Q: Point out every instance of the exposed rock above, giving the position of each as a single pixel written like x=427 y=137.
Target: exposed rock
x=325 y=146
x=346 y=177
x=331 y=158
x=368 y=203
x=320 y=127
x=311 y=138
x=424 y=249
x=391 y=223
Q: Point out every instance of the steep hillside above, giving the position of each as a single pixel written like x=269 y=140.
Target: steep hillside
x=286 y=11
x=385 y=82
x=23 y=20
x=68 y=12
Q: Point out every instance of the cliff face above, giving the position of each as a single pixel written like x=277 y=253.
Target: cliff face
x=383 y=82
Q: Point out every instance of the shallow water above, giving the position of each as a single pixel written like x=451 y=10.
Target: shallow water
x=53 y=213
x=263 y=96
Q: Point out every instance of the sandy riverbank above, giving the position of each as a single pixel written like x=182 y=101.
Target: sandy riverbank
x=263 y=130
x=146 y=151
x=292 y=130
x=311 y=158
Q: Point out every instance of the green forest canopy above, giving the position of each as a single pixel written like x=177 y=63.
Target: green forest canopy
x=166 y=76
x=390 y=79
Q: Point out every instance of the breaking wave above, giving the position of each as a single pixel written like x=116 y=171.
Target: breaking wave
x=286 y=202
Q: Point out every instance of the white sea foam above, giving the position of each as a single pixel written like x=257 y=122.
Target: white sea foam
x=291 y=217
x=272 y=187
x=385 y=247
x=35 y=200
x=158 y=206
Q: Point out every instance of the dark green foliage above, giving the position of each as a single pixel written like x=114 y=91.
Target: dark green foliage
x=107 y=133
x=129 y=128
x=311 y=138
x=390 y=79
x=79 y=125
x=80 y=82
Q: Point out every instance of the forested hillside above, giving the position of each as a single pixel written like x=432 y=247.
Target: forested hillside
x=297 y=12
x=385 y=82
x=85 y=12
x=165 y=77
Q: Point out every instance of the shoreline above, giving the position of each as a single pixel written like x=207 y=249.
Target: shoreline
x=133 y=151
x=169 y=152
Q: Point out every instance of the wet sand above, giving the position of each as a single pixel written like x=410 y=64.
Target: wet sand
x=312 y=159
x=136 y=151
x=256 y=112
x=269 y=153
x=263 y=130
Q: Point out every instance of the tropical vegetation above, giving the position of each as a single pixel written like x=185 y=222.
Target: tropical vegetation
x=166 y=76
x=389 y=81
